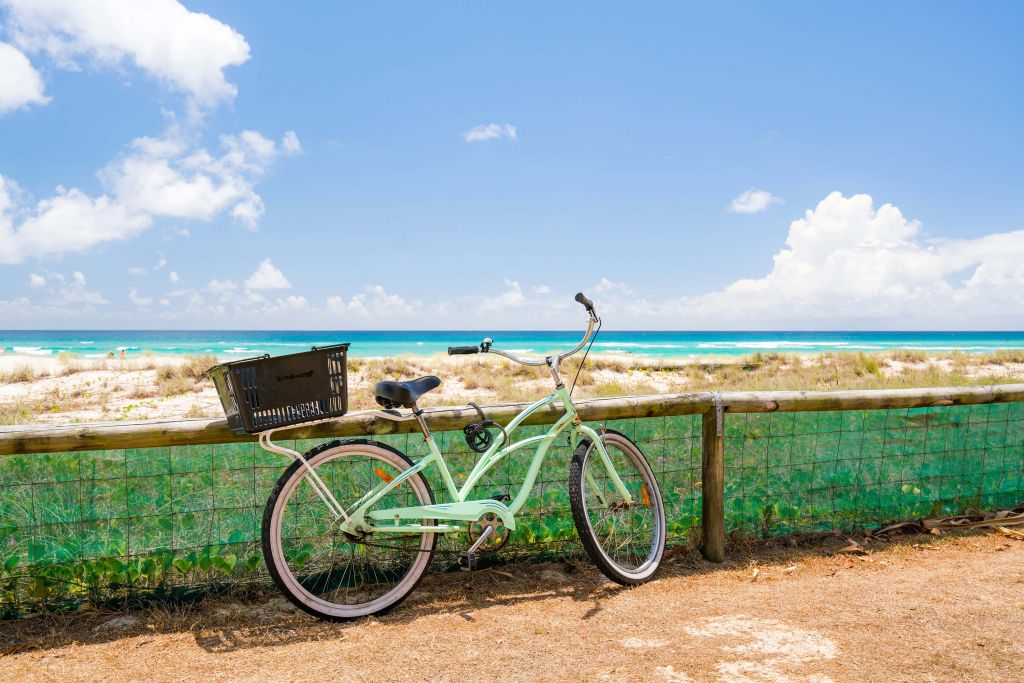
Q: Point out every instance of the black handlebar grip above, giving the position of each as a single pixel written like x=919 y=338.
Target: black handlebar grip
x=460 y=350
x=587 y=303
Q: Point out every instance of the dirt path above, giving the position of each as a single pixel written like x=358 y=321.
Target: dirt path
x=916 y=610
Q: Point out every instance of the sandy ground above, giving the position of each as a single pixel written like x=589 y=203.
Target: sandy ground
x=918 y=609
x=115 y=390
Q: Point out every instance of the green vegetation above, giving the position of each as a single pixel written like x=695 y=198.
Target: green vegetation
x=111 y=524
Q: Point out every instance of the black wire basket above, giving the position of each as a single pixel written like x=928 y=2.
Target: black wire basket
x=268 y=393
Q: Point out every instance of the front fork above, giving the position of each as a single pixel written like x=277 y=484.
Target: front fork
x=617 y=482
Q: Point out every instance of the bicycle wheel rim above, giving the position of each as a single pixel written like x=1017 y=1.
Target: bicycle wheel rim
x=342 y=578
x=631 y=538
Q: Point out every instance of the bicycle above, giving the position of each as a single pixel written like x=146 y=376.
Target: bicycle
x=359 y=537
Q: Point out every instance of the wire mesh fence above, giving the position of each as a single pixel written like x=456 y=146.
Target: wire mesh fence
x=178 y=521
x=825 y=471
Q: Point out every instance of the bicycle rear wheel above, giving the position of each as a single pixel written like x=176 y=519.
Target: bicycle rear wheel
x=625 y=540
x=326 y=572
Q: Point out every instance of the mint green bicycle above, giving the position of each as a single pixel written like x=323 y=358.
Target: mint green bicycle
x=350 y=527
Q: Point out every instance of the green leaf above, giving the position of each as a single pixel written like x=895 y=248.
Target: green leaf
x=185 y=564
x=149 y=568
x=236 y=536
x=253 y=562
x=225 y=563
x=12 y=562
x=205 y=563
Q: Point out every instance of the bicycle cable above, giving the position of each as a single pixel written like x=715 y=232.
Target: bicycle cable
x=584 y=359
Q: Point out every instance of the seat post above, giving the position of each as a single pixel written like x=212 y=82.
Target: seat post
x=418 y=412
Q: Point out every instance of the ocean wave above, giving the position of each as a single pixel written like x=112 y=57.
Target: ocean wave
x=33 y=350
x=772 y=344
x=86 y=342
x=240 y=349
x=638 y=345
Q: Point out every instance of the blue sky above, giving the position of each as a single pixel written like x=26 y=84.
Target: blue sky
x=731 y=165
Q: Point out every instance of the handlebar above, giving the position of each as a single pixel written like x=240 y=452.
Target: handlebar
x=587 y=303
x=460 y=350
x=485 y=346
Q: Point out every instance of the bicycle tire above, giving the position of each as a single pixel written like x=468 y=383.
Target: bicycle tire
x=275 y=554
x=644 y=489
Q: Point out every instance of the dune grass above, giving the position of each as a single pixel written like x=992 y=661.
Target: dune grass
x=185 y=377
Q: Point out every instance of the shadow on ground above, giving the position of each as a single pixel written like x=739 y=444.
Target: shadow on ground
x=262 y=618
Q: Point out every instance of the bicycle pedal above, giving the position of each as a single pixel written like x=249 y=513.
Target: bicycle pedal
x=467 y=561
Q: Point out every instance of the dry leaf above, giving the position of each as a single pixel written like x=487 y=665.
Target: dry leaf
x=754 y=574
x=790 y=569
x=853 y=548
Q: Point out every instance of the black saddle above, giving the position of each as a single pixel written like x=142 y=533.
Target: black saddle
x=404 y=394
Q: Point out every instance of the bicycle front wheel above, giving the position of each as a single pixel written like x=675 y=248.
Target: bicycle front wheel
x=624 y=539
x=325 y=571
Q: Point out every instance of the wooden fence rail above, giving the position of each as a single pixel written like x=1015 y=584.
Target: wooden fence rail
x=21 y=440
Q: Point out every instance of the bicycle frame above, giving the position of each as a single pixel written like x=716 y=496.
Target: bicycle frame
x=358 y=521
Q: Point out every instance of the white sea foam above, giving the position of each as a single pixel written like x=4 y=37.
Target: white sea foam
x=33 y=350
x=638 y=345
x=240 y=349
x=772 y=344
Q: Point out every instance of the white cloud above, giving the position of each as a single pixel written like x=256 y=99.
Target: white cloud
x=375 y=302
x=511 y=298
x=222 y=289
x=174 y=277
x=36 y=281
x=267 y=276
x=490 y=131
x=290 y=143
x=62 y=291
x=139 y=300
x=68 y=221
x=753 y=201
x=20 y=83
x=606 y=286
x=137 y=271
x=849 y=260
x=158 y=177
x=541 y=289
x=187 y=51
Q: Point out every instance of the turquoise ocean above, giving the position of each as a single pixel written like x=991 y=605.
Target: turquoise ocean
x=243 y=344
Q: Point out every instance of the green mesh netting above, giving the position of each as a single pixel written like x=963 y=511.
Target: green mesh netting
x=108 y=525
x=104 y=525
x=792 y=472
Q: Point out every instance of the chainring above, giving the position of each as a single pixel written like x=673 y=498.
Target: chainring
x=497 y=538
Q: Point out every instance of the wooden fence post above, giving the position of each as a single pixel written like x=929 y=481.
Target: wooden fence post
x=713 y=486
